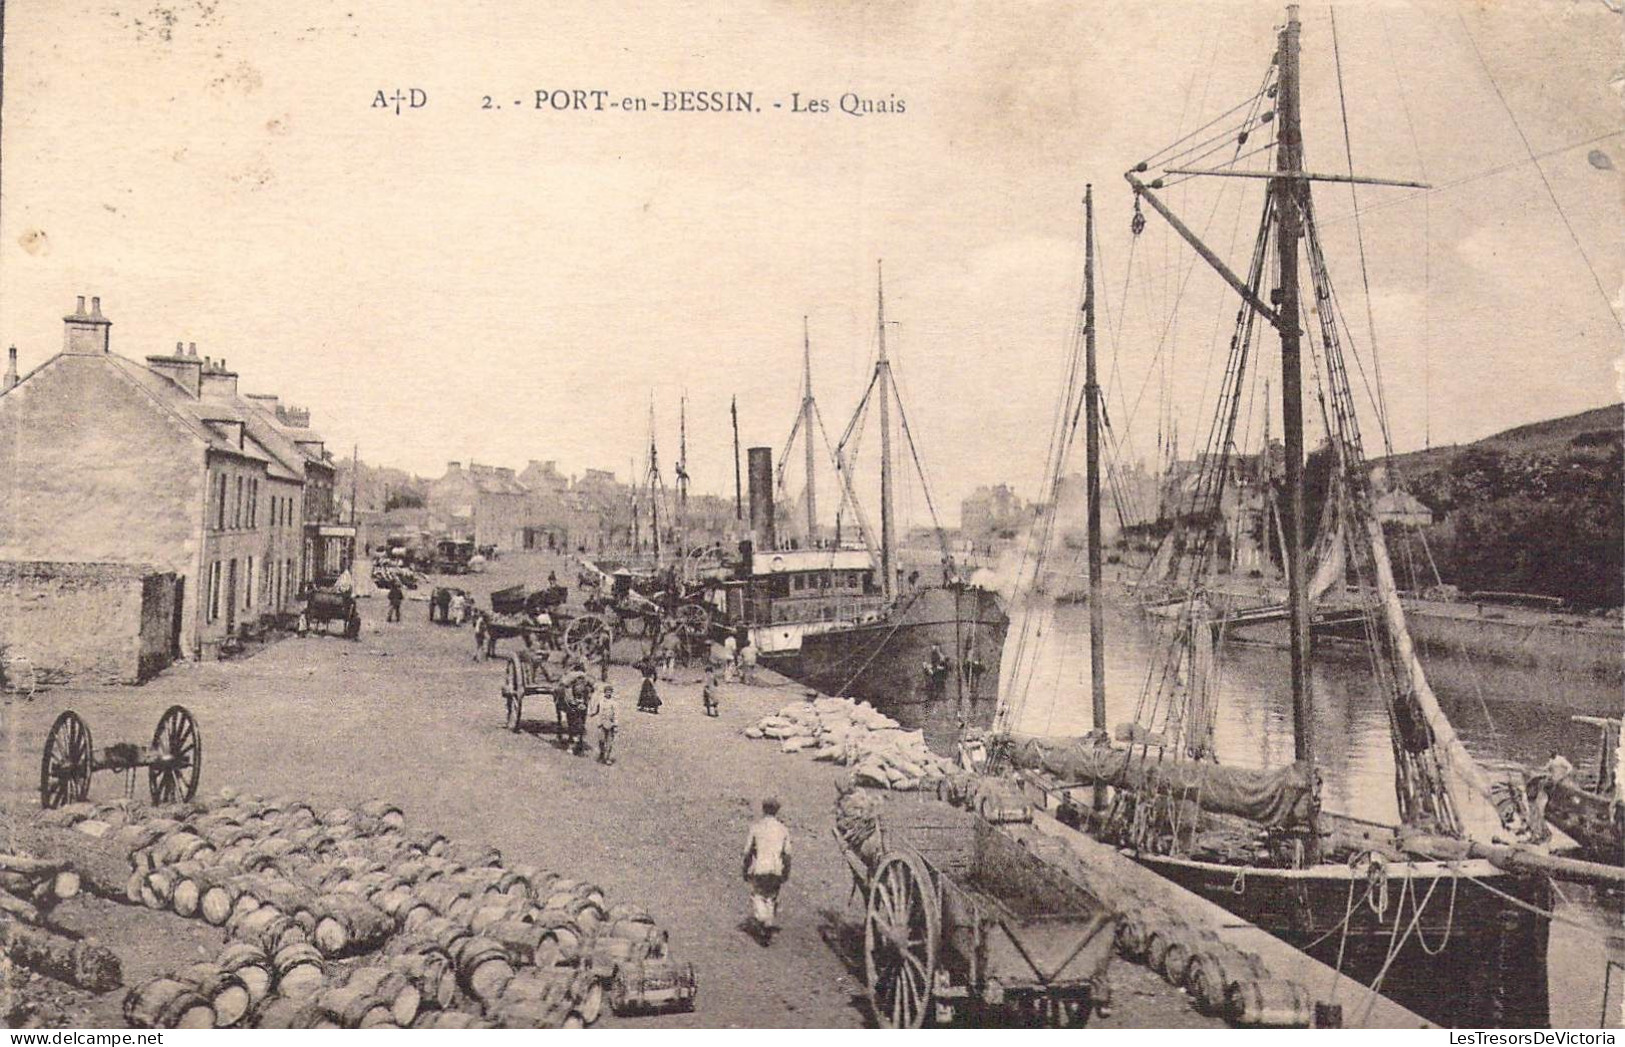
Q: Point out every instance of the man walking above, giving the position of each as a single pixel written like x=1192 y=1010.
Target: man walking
x=395 y=598
x=767 y=866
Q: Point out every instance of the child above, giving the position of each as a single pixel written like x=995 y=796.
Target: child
x=608 y=723
x=708 y=694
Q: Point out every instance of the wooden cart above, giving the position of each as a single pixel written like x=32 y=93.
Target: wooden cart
x=173 y=761
x=958 y=913
x=527 y=677
x=325 y=606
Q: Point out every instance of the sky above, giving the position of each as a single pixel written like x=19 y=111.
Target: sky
x=504 y=284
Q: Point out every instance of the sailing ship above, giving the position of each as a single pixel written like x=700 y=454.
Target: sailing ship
x=848 y=621
x=1397 y=902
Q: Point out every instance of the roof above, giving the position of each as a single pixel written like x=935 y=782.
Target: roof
x=195 y=415
x=768 y=562
x=487 y=480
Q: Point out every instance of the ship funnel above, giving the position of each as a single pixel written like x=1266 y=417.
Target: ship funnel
x=761 y=498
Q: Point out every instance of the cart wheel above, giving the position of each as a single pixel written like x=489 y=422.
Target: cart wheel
x=583 y=635
x=513 y=691
x=64 y=772
x=900 y=941
x=176 y=737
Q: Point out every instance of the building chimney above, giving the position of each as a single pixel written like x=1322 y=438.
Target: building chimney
x=10 y=381
x=86 y=334
x=185 y=371
x=761 y=497
x=218 y=383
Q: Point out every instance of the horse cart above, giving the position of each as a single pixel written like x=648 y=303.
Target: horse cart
x=527 y=676
x=173 y=761
x=959 y=914
x=325 y=606
x=539 y=619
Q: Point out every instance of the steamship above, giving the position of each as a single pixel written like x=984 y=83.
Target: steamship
x=845 y=622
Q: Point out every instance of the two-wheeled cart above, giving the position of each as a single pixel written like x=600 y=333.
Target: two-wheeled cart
x=959 y=914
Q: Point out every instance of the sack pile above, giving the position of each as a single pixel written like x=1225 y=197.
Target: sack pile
x=854 y=734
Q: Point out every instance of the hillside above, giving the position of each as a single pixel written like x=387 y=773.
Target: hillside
x=1596 y=426
x=1536 y=509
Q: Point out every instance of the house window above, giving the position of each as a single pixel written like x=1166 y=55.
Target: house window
x=220 y=502
x=214 y=590
x=248 y=583
x=254 y=502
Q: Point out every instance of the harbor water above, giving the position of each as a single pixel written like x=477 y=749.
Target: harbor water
x=1504 y=714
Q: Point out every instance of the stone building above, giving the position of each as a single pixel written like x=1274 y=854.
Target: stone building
x=484 y=502
x=160 y=464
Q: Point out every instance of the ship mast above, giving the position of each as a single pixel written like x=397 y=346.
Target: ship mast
x=1288 y=190
x=883 y=377
x=682 y=474
x=1091 y=391
x=807 y=409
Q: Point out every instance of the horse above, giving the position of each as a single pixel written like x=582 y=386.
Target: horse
x=570 y=704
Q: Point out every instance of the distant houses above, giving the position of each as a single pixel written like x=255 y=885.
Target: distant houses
x=161 y=475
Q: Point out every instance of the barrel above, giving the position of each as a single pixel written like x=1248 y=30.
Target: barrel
x=628 y=911
x=346 y=925
x=482 y=967
x=495 y=912
x=388 y=985
x=355 y=1008
x=647 y=932
x=298 y=969
x=1182 y=944
x=1213 y=970
x=428 y=967
x=1134 y=934
x=281 y=1012
x=189 y=877
x=226 y=994
x=1271 y=1003
x=248 y=962
x=166 y=1003
x=388 y=813
x=265 y=927
x=521 y=940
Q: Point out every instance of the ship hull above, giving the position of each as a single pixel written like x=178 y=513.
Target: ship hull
x=884 y=662
x=1465 y=918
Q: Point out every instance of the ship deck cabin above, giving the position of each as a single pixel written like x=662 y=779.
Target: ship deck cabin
x=812 y=585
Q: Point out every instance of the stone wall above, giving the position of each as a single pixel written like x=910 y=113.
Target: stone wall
x=89 y=623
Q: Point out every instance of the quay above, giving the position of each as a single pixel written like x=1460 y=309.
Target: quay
x=407 y=714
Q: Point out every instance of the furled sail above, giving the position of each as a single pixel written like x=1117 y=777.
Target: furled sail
x=1281 y=797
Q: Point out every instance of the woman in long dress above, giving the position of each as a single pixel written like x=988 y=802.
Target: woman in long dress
x=648 y=698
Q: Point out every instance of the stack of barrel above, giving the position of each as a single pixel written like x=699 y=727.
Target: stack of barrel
x=350 y=919
x=1222 y=979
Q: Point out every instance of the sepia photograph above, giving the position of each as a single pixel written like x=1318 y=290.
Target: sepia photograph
x=812 y=514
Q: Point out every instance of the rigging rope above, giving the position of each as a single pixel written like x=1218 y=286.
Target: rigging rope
x=1529 y=149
